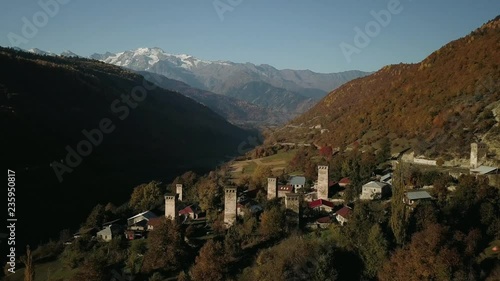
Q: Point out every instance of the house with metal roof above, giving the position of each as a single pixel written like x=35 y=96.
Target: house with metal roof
x=147 y=215
x=492 y=173
x=298 y=182
x=374 y=190
x=411 y=198
x=484 y=170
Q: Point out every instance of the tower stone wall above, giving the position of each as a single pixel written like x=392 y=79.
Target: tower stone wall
x=292 y=205
x=477 y=153
x=322 y=188
x=171 y=207
x=230 y=197
x=272 y=188
x=178 y=189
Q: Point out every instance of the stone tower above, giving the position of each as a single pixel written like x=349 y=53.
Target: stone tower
x=171 y=207
x=272 y=188
x=322 y=188
x=477 y=152
x=230 y=197
x=292 y=205
x=178 y=190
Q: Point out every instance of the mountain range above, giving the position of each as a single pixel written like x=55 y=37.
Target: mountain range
x=436 y=107
x=244 y=93
x=287 y=92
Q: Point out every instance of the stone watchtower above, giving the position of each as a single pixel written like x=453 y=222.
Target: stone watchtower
x=292 y=205
x=322 y=188
x=477 y=152
x=171 y=207
x=272 y=188
x=178 y=190
x=230 y=197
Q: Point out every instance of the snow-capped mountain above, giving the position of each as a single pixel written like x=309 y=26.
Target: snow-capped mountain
x=41 y=52
x=69 y=53
x=145 y=58
x=235 y=79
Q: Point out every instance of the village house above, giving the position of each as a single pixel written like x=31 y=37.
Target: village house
x=321 y=205
x=110 y=232
x=191 y=212
x=139 y=222
x=411 y=198
x=492 y=173
x=344 y=182
x=251 y=206
x=387 y=178
x=297 y=182
x=321 y=223
x=374 y=190
x=343 y=214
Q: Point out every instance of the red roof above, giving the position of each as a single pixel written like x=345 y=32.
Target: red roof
x=188 y=210
x=324 y=220
x=344 y=212
x=154 y=222
x=345 y=180
x=320 y=202
x=332 y=183
x=285 y=188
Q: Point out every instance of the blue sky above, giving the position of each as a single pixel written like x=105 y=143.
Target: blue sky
x=296 y=34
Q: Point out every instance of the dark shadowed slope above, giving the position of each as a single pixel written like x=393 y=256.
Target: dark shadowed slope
x=46 y=102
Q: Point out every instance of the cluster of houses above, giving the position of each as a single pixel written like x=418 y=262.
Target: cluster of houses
x=323 y=199
x=139 y=225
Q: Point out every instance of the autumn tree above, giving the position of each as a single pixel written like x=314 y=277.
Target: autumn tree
x=136 y=253
x=96 y=217
x=164 y=247
x=146 y=196
x=384 y=153
x=232 y=242
x=272 y=222
x=399 y=216
x=211 y=195
x=211 y=263
x=374 y=253
x=188 y=181
x=428 y=257
x=260 y=175
x=294 y=258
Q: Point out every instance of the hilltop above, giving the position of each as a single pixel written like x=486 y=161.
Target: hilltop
x=436 y=107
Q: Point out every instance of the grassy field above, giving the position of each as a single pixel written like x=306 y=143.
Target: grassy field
x=280 y=156
x=277 y=162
